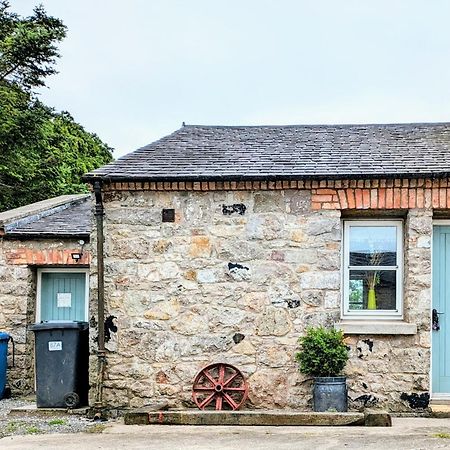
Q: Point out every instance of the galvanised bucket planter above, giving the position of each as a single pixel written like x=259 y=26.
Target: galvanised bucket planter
x=330 y=394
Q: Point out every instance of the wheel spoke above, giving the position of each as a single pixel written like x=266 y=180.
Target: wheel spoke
x=230 y=401
x=203 y=388
x=221 y=373
x=231 y=379
x=219 y=403
x=210 y=378
x=207 y=401
x=238 y=389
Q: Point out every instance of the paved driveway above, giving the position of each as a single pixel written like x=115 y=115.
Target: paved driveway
x=405 y=434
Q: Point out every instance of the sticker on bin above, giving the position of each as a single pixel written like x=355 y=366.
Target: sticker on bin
x=54 y=346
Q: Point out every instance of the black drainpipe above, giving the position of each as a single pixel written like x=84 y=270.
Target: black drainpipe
x=101 y=353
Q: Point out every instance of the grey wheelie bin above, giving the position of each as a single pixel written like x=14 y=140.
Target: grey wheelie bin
x=62 y=364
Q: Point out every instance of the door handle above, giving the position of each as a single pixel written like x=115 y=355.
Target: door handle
x=435 y=320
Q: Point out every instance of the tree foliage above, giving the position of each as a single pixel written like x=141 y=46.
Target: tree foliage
x=43 y=153
x=28 y=46
x=323 y=352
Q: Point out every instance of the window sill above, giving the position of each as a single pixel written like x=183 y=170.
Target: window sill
x=376 y=327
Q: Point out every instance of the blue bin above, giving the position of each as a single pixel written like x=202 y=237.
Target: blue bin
x=4 y=339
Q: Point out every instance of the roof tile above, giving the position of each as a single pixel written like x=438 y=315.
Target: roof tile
x=72 y=219
x=298 y=151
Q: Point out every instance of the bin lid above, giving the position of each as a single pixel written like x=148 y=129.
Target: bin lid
x=4 y=336
x=58 y=326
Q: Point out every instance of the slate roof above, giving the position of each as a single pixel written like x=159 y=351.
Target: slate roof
x=197 y=152
x=70 y=219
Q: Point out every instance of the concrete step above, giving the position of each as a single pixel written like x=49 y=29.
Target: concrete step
x=262 y=418
x=442 y=401
x=440 y=410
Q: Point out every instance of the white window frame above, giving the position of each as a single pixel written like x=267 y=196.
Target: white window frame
x=60 y=270
x=396 y=314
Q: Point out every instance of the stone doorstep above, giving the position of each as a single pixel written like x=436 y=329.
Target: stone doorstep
x=440 y=402
x=255 y=418
x=440 y=410
x=33 y=410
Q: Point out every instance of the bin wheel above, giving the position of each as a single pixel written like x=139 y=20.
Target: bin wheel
x=72 y=400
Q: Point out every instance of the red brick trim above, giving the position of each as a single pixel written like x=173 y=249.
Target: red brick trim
x=326 y=194
x=381 y=198
x=28 y=256
x=276 y=185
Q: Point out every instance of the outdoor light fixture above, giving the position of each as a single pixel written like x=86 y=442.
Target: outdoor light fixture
x=76 y=256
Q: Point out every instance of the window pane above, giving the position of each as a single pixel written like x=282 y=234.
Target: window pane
x=373 y=246
x=372 y=290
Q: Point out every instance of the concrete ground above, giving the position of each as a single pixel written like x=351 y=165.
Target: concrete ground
x=406 y=433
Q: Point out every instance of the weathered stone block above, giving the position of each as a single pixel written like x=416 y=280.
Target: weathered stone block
x=332 y=299
x=200 y=247
x=276 y=356
x=251 y=418
x=206 y=276
x=322 y=224
x=299 y=201
x=136 y=417
x=312 y=298
x=269 y=202
x=190 y=324
x=273 y=322
x=244 y=348
x=320 y=280
x=377 y=419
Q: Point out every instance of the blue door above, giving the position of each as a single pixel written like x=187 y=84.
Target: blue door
x=441 y=311
x=63 y=296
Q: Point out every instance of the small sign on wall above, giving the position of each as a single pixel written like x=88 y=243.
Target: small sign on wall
x=64 y=300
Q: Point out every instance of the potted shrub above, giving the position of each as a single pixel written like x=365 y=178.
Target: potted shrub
x=323 y=355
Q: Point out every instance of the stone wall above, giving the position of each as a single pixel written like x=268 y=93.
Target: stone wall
x=19 y=260
x=393 y=371
x=237 y=278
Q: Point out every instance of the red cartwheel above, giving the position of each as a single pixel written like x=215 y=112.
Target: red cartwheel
x=220 y=386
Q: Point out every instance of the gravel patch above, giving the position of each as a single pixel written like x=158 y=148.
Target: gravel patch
x=35 y=423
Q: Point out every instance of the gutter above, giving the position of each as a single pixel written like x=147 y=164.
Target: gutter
x=101 y=351
x=35 y=235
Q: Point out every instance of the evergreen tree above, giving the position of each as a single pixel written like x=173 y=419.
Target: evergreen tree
x=43 y=153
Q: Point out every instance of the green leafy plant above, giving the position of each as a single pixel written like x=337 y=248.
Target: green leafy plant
x=12 y=426
x=323 y=352
x=442 y=435
x=57 y=422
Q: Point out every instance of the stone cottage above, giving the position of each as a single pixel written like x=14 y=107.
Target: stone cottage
x=222 y=244
x=44 y=258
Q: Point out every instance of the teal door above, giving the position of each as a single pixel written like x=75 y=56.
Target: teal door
x=441 y=311
x=63 y=296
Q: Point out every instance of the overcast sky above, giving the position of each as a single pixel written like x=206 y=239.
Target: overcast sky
x=132 y=71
